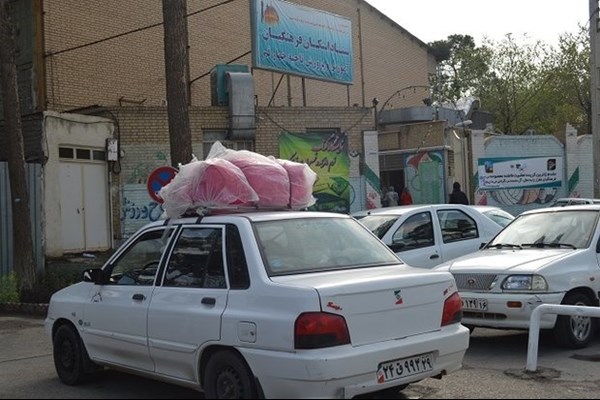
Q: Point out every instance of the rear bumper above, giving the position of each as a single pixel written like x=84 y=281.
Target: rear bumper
x=344 y=372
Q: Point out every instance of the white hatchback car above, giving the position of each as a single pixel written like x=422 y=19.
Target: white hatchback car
x=428 y=235
x=545 y=256
x=269 y=304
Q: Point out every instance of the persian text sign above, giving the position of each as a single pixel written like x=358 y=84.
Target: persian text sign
x=327 y=155
x=504 y=173
x=298 y=40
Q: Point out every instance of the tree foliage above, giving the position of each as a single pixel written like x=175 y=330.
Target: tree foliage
x=525 y=85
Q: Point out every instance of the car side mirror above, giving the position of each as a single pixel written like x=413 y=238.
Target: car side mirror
x=482 y=245
x=93 y=275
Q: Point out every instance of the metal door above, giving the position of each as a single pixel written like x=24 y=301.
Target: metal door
x=84 y=206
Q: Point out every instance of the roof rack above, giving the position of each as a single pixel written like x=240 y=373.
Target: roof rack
x=219 y=210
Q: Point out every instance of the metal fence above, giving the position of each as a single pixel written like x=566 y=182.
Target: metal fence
x=34 y=185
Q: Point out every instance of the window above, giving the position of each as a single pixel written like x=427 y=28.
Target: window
x=414 y=233
x=81 y=154
x=140 y=262
x=456 y=226
x=197 y=260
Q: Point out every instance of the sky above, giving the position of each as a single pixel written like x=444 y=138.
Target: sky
x=431 y=20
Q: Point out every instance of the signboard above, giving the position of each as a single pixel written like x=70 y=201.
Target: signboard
x=509 y=173
x=327 y=155
x=159 y=178
x=298 y=40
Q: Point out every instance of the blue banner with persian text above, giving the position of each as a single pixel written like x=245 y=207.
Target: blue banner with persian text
x=298 y=40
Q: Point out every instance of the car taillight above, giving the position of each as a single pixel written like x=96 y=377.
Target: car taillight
x=452 y=310
x=319 y=330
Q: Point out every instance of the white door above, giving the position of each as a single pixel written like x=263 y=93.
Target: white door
x=185 y=311
x=95 y=200
x=84 y=206
x=71 y=207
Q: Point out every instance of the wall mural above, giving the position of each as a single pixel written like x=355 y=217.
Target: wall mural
x=424 y=174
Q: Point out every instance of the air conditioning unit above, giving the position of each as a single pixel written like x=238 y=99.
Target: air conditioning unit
x=218 y=83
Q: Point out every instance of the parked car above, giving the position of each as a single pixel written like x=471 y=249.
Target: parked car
x=428 y=235
x=260 y=304
x=571 y=201
x=545 y=256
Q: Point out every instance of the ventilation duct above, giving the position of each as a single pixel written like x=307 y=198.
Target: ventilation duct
x=242 y=110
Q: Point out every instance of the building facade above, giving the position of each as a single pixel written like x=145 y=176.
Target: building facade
x=82 y=60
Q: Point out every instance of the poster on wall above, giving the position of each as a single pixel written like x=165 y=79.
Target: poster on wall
x=513 y=173
x=298 y=40
x=327 y=155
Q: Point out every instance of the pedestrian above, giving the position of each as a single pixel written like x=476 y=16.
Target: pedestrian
x=384 y=202
x=392 y=197
x=405 y=197
x=458 y=196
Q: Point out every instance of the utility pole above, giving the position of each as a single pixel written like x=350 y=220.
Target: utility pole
x=9 y=90
x=595 y=91
x=176 y=68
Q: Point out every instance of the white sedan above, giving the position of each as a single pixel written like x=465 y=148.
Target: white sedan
x=545 y=256
x=275 y=305
x=428 y=235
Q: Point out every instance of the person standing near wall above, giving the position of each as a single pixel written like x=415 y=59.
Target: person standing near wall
x=405 y=197
x=392 y=197
x=458 y=196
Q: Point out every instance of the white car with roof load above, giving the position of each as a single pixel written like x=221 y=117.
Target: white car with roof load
x=427 y=235
x=275 y=304
x=545 y=256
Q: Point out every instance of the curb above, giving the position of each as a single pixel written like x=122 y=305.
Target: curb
x=40 y=310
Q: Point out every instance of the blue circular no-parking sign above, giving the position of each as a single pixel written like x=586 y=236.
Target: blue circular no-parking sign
x=159 y=178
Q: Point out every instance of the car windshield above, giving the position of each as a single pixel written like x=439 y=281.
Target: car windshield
x=569 y=229
x=298 y=246
x=379 y=224
x=499 y=216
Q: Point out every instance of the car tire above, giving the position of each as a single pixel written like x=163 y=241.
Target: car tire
x=70 y=356
x=228 y=377
x=574 y=332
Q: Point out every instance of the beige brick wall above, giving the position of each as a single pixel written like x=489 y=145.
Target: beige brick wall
x=145 y=145
x=414 y=136
x=145 y=141
x=130 y=68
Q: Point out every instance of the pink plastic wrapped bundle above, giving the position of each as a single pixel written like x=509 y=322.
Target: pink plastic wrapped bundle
x=302 y=180
x=268 y=179
x=214 y=183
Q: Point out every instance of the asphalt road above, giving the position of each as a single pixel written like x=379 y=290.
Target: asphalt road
x=494 y=367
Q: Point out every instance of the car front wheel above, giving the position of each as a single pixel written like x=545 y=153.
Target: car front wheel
x=69 y=356
x=228 y=377
x=574 y=332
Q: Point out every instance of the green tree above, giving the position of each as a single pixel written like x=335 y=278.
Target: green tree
x=461 y=67
x=525 y=85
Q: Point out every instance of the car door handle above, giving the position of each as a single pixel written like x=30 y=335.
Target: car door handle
x=139 y=297
x=209 y=301
x=434 y=257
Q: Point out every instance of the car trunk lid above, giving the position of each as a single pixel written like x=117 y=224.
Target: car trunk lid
x=384 y=303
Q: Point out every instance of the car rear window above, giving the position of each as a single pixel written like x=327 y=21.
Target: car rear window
x=304 y=245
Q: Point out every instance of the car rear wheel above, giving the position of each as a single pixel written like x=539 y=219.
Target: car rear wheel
x=69 y=356
x=228 y=377
x=574 y=332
